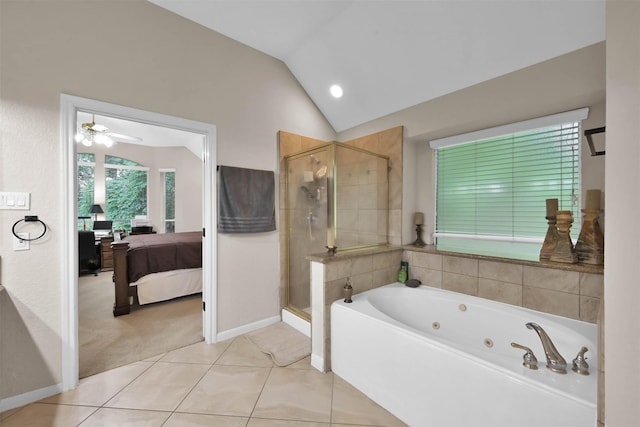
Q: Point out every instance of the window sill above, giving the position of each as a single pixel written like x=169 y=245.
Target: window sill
x=584 y=268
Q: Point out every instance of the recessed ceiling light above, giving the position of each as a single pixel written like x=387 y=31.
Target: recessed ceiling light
x=336 y=91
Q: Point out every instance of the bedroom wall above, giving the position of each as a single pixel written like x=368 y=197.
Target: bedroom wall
x=135 y=54
x=188 y=180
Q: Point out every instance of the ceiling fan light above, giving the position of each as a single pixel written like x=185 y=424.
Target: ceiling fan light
x=86 y=142
x=79 y=137
x=101 y=138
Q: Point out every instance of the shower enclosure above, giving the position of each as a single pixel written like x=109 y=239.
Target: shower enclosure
x=336 y=195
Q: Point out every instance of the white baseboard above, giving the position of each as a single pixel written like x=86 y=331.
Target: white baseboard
x=317 y=362
x=250 y=327
x=296 y=322
x=29 y=397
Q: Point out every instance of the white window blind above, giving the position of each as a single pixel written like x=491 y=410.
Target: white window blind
x=491 y=191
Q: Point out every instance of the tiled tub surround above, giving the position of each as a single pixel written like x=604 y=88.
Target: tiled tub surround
x=568 y=290
x=367 y=268
x=572 y=291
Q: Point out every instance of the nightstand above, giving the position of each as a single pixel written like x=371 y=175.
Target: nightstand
x=106 y=254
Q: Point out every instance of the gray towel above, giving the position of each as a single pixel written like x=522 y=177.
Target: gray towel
x=246 y=200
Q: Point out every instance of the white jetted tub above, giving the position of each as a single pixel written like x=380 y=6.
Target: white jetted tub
x=438 y=358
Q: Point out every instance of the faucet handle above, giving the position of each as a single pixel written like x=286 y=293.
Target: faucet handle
x=528 y=358
x=580 y=364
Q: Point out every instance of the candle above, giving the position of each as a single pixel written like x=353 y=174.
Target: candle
x=418 y=218
x=593 y=200
x=552 y=207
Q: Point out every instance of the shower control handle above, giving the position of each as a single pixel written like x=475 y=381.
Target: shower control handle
x=529 y=359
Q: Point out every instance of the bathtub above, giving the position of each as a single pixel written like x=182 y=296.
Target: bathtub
x=438 y=358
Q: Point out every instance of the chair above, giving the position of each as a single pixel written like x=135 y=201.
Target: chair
x=142 y=230
x=88 y=259
x=102 y=225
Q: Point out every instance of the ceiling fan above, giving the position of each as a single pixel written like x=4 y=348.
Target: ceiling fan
x=92 y=132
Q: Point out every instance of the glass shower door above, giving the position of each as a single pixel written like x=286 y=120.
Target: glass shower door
x=306 y=208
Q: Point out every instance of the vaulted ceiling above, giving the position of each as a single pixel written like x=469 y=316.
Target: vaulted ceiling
x=389 y=55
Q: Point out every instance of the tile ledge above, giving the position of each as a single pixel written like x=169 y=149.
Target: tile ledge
x=326 y=258
x=583 y=268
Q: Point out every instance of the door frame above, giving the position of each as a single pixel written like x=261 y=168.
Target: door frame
x=69 y=107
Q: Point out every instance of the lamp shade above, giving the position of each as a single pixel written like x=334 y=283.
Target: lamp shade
x=96 y=209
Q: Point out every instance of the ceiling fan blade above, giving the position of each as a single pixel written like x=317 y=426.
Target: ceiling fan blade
x=124 y=137
x=98 y=128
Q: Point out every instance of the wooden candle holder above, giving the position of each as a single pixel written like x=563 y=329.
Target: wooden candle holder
x=590 y=244
x=550 y=240
x=564 y=250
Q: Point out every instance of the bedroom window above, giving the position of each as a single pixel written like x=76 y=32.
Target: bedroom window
x=492 y=185
x=169 y=200
x=126 y=191
x=86 y=185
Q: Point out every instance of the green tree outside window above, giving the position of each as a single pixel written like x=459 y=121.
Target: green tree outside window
x=126 y=191
x=86 y=188
x=169 y=202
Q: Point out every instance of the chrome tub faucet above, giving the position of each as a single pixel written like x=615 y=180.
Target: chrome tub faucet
x=580 y=364
x=555 y=361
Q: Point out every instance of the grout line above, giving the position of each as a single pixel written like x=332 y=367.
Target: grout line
x=127 y=384
x=200 y=380
x=204 y=374
x=260 y=394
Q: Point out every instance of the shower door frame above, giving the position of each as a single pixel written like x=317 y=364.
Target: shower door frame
x=331 y=209
x=330 y=216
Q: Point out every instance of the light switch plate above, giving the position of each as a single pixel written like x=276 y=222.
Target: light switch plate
x=15 y=201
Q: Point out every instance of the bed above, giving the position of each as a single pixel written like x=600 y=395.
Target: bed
x=156 y=267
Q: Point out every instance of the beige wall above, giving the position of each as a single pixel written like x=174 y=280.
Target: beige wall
x=571 y=81
x=153 y=60
x=564 y=83
x=188 y=168
x=138 y=55
x=622 y=250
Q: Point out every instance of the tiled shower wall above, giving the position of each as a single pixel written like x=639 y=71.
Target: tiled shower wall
x=387 y=143
x=362 y=194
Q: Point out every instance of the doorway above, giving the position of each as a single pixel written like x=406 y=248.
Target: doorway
x=70 y=107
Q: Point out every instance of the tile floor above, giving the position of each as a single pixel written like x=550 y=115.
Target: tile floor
x=226 y=384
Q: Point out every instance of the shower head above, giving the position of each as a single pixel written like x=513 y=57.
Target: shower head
x=314 y=159
x=320 y=173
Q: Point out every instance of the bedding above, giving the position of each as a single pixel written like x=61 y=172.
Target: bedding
x=155 y=253
x=168 y=285
x=145 y=262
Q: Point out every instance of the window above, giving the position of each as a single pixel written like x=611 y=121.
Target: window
x=492 y=185
x=126 y=191
x=86 y=186
x=169 y=200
